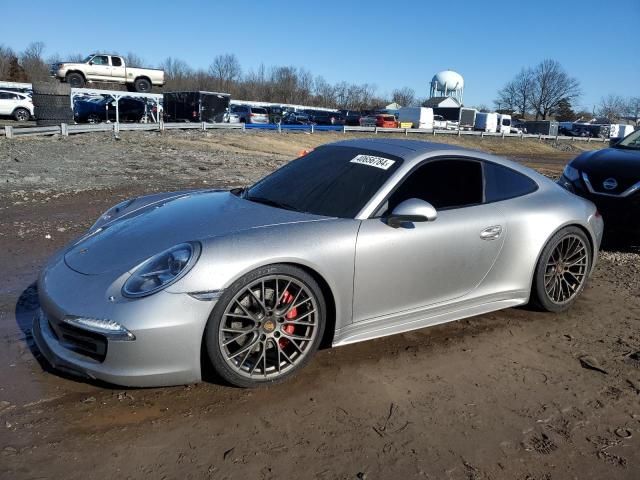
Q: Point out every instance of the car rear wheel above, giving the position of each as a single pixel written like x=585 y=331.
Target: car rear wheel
x=266 y=326
x=562 y=270
x=142 y=85
x=21 y=114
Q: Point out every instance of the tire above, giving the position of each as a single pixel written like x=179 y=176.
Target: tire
x=75 y=80
x=142 y=85
x=56 y=101
x=570 y=251
x=21 y=114
x=271 y=353
x=47 y=113
x=51 y=88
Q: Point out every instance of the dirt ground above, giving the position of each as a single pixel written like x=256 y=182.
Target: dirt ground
x=498 y=396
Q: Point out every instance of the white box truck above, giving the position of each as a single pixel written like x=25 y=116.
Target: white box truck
x=420 y=117
x=486 y=122
x=504 y=123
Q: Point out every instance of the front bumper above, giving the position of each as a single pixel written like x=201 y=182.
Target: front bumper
x=620 y=214
x=168 y=329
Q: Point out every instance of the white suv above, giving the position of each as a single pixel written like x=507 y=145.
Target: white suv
x=16 y=104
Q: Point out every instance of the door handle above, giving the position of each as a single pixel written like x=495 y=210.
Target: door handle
x=491 y=233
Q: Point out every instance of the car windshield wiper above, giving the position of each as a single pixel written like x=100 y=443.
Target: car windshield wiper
x=272 y=203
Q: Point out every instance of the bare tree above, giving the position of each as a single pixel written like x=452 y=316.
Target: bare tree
x=551 y=84
x=177 y=74
x=516 y=95
x=133 y=60
x=404 y=96
x=226 y=70
x=482 y=108
x=507 y=97
x=32 y=62
x=6 y=57
x=324 y=92
x=612 y=107
x=632 y=109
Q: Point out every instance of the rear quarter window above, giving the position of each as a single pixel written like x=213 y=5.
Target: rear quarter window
x=502 y=183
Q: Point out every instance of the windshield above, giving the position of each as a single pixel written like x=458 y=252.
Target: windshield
x=86 y=60
x=332 y=181
x=631 y=141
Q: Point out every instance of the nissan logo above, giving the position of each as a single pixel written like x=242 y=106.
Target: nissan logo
x=610 y=184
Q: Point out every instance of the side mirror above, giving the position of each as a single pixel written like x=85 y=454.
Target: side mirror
x=614 y=141
x=91 y=62
x=412 y=210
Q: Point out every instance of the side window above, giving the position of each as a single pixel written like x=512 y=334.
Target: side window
x=502 y=183
x=116 y=61
x=4 y=96
x=100 y=60
x=449 y=183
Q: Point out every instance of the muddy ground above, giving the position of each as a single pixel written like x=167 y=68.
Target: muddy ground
x=502 y=395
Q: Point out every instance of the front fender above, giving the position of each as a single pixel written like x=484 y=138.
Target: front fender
x=327 y=247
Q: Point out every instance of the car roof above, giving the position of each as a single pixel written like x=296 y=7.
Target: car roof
x=414 y=151
x=405 y=149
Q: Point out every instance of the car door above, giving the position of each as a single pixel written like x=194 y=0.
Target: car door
x=99 y=68
x=425 y=263
x=117 y=67
x=7 y=103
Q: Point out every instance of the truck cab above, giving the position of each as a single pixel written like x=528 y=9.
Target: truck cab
x=504 y=123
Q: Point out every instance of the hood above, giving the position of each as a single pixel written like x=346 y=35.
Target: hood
x=610 y=161
x=151 y=226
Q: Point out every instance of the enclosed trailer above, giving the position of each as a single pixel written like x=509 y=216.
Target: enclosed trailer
x=467 y=119
x=486 y=122
x=419 y=117
x=195 y=106
x=452 y=114
x=542 y=127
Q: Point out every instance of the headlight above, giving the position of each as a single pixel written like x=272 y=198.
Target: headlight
x=111 y=213
x=571 y=173
x=161 y=270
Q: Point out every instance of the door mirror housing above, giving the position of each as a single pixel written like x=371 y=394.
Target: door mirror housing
x=614 y=141
x=412 y=210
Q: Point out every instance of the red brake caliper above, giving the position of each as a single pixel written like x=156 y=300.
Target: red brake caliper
x=293 y=313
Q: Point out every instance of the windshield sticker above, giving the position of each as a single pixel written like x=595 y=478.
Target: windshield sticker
x=378 y=162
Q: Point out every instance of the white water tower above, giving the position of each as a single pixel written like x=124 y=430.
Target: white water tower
x=447 y=84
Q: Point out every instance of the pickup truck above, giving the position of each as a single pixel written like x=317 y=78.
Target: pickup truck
x=98 y=67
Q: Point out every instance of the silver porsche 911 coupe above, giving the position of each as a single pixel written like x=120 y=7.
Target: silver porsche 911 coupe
x=355 y=240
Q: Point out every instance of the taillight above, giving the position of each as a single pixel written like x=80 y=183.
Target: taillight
x=254 y=114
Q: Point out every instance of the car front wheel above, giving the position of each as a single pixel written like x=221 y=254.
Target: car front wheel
x=266 y=326
x=562 y=270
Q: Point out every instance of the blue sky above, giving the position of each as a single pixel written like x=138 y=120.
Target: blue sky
x=387 y=43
